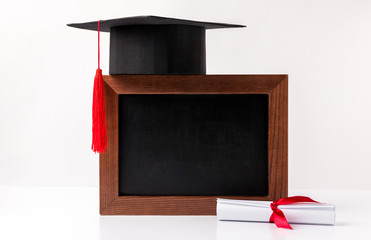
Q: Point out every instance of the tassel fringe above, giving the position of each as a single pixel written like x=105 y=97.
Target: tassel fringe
x=99 y=140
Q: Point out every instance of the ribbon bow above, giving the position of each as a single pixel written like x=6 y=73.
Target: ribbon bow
x=278 y=217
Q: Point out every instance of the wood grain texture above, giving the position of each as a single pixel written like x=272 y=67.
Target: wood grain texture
x=108 y=161
x=275 y=86
x=278 y=141
x=183 y=84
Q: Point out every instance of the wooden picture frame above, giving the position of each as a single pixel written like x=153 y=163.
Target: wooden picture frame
x=275 y=86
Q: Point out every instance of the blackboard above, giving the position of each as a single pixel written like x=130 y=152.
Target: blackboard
x=193 y=144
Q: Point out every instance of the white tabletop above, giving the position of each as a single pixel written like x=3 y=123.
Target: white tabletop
x=72 y=213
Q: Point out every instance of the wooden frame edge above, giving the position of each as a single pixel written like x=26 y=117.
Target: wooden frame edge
x=276 y=88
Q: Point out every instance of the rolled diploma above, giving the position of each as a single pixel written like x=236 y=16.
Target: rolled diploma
x=260 y=211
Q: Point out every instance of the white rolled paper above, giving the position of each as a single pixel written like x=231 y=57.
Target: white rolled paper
x=260 y=211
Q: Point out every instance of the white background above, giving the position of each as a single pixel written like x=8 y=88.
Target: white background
x=47 y=71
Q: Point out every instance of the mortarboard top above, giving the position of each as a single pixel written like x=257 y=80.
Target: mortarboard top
x=155 y=45
x=105 y=25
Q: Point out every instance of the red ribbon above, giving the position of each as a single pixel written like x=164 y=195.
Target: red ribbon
x=278 y=217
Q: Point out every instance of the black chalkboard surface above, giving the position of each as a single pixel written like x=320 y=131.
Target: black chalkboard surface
x=193 y=144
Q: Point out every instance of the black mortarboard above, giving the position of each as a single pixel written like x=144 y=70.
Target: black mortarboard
x=155 y=45
x=146 y=45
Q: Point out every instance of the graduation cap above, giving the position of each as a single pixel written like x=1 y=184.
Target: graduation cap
x=155 y=45
x=147 y=45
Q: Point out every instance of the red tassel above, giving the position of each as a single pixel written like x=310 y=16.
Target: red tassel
x=99 y=141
